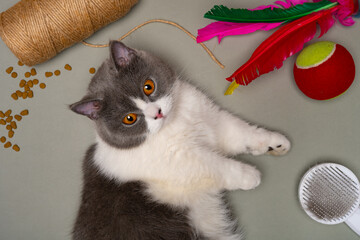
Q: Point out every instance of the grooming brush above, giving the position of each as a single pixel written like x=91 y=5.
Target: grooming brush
x=330 y=194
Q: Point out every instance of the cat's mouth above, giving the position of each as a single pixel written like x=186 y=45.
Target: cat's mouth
x=159 y=115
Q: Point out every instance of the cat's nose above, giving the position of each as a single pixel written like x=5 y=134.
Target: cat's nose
x=159 y=115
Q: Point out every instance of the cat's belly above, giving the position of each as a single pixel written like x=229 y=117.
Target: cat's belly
x=207 y=208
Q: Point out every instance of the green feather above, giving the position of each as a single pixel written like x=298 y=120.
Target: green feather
x=222 y=13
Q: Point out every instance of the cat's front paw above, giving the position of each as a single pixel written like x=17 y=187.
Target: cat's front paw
x=279 y=145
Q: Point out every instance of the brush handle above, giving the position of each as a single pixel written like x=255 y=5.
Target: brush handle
x=354 y=221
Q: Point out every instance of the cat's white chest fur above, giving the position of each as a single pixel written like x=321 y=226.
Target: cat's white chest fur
x=171 y=158
x=184 y=163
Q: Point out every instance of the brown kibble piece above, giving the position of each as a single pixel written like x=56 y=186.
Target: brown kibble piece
x=18 y=117
x=9 y=119
x=68 y=67
x=27 y=74
x=24 y=112
x=22 y=83
x=20 y=63
x=16 y=148
x=2 y=115
x=24 y=95
x=57 y=72
x=13 y=125
x=26 y=88
x=42 y=85
x=3 y=139
x=33 y=71
x=14 y=96
x=30 y=83
x=18 y=93
x=8 y=113
x=48 y=74
x=9 y=70
x=2 y=122
x=35 y=81
x=10 y=133
x=30 y=94
x=14 y=75
x=92 y=70
x=8 y=127
x=7 y=145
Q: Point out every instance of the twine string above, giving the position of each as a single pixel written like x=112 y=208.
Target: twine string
x=160 y=21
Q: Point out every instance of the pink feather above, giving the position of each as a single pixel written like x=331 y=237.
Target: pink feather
x=222 y=29
x=286 y=41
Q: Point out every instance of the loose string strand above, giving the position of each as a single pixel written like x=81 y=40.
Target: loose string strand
x=160 y=21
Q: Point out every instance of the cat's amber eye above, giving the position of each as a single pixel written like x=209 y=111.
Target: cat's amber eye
x=149 y=87
x=130 y=119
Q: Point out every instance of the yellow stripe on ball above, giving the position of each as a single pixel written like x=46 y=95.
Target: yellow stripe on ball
x=315 y=54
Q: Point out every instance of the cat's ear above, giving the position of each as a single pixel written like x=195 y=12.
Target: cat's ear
x=89 y=108
x=121 y=54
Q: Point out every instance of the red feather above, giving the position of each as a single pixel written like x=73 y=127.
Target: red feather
x=282 y=44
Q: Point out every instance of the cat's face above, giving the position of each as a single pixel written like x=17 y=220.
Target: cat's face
x=129 y=97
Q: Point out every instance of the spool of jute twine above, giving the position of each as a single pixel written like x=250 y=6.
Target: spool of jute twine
x=37 y=30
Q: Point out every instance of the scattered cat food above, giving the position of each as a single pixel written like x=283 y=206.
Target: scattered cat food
x=30 y=94
x=7 y=145
x=10 y=124
x=33 y=72
x=13 y=125
x=9 y=119
x=18 y=117
x=68 y=67
x=14 y=74
x=24 y=112
x=14 y=96
x=10 y=133
x=48 y=74
x=27 y=74
x=30 y=83
x=24 y=95
x=8 y=113
x=18 y=93
x=92 y=70
x=22 y=83
x=57 y=72
x=16 y=148
x=42 y=85
x=9 y=70
x=6 y=119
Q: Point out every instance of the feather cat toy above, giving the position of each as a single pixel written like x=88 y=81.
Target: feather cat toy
x=298 y=20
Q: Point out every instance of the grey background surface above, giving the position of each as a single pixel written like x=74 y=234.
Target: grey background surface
x=40 y=185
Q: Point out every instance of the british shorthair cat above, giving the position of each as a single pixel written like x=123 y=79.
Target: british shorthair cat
x=162 y=158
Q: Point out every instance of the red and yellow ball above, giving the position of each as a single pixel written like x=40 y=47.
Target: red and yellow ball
x=324 y=70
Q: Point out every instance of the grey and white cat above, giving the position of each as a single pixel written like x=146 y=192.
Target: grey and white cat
x=161 y=161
